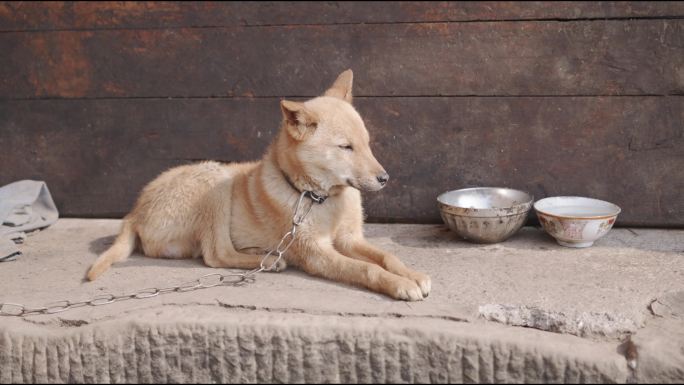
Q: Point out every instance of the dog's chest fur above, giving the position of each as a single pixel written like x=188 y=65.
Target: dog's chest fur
x=326 y=218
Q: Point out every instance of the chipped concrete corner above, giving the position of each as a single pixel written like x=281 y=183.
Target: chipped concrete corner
x=578 y=324
x=526 y=310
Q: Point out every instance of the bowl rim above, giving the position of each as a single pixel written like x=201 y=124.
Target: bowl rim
x=586 y=217
x=520 y=208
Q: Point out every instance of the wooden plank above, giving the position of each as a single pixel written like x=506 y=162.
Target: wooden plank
x=30 y=16
x=95 y=155
x=497 y=59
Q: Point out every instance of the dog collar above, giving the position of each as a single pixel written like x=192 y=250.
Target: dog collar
x=314 y=197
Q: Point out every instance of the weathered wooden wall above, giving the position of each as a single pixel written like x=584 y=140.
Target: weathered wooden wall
x=566 y=98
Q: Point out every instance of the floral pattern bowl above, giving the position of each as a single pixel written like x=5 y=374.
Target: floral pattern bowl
x=576 y=221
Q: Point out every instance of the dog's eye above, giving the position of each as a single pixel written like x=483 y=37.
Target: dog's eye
x=347 y=147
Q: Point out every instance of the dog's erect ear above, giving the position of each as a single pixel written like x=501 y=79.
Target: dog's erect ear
x=342 y=88
x=299 y=121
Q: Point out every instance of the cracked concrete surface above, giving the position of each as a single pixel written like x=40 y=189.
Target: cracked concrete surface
x=576 y=307
x=579 y=324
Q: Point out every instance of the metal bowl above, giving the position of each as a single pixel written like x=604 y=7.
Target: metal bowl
x=485 y=214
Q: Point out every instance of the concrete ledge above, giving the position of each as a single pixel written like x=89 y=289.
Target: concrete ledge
x=208 y=344
x=205 y=344
x=577 y=308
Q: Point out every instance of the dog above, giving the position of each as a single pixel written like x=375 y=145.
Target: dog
x=230 y=214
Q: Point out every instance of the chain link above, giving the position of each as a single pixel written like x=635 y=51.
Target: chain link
x=204 y=282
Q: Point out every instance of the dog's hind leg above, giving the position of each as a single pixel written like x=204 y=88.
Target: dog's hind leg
x=215 y=242
x=224 y=256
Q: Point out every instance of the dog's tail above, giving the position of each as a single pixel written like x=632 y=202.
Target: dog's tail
x=121 y=249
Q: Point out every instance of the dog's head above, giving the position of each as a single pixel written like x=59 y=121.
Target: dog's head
x=328 y=141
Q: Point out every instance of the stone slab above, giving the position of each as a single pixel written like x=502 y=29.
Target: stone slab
x=577 y=307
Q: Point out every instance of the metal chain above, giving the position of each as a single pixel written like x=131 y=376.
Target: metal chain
x=204 y=282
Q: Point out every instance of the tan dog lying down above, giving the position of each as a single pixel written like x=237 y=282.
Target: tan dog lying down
x=231 y=213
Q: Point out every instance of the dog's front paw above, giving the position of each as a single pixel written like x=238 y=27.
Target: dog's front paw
x=407 y=290
x=423 y=281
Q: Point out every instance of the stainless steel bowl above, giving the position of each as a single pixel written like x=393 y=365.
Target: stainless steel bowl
x=485 y=214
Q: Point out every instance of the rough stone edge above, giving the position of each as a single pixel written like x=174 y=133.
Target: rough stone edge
x=580 y=324
x=267 y=347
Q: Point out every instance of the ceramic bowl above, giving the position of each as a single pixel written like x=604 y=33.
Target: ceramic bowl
x=485 y=214
x=576 y=221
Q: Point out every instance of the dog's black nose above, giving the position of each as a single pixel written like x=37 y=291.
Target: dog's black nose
x=382 y=178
